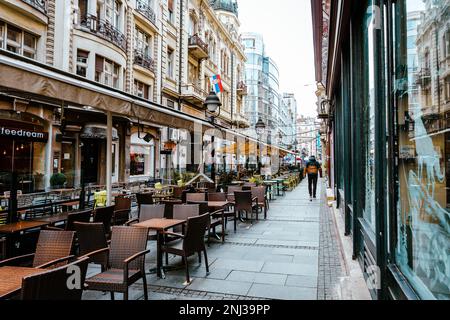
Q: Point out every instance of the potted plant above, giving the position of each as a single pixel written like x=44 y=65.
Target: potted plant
x=58 y=180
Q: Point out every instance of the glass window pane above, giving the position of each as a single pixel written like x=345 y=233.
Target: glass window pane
x=421 y=86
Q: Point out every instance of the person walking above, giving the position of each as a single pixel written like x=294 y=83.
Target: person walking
x=312 y=169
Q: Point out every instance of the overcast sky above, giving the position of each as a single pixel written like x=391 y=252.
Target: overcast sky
x=287 y=31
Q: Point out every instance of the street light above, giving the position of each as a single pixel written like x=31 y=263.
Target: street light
x=212 y=105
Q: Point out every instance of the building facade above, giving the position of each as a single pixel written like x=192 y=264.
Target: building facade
x=262 y=79
x=385 y=108
x=90 y=87
x=288 y=120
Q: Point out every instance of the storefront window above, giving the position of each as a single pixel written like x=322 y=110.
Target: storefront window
x=368 y=116
x=423 y=245
x=142 y=156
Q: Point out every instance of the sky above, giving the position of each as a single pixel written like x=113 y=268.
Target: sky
x=287 y=30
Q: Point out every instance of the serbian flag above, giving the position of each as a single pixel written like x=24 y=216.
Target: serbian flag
x=216 y=83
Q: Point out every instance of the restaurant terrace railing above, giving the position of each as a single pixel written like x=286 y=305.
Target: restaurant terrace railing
x=40 y=5
x=105 y=30
x=144 y=61
x=146 y=10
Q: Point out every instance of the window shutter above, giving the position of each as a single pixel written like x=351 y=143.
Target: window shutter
x=98 y=64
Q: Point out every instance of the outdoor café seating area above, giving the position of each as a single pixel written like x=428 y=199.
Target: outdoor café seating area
x=43 y=236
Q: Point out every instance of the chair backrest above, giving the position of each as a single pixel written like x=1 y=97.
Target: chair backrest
x=260 y=193
x=203 y=206
x=120 y=217
x=53 y=284
x=185 y=211
x=104 y=215
x=122 y=203
x=194 y=240
x=152 y=211
x=178 y=192
x=217 y=196
x=195 y=197
x=81 y=216
x=168 y=212
x=125 y=242
x=232 y=189
x=144 y=198
x=91 y=237
x=243 y=200
x=53 y=245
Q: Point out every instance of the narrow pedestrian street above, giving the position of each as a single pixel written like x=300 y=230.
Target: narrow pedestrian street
x=293 y=255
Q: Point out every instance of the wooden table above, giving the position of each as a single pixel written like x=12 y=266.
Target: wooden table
x=13 y=229
x=20 y=226
x=61 y=217
x=218 y=204
x=11 y=279
x=159 y=225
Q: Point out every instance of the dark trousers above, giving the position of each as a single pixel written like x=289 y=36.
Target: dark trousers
x=312 y=184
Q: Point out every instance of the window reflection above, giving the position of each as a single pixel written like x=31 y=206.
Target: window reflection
x=421 y=87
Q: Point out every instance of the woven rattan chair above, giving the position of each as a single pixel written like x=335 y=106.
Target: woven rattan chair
x=193 y=242
x=52 y=284
x=168 y=213
x=126 y=262
x=92 y=237
x=217 y=196
x=245 y=202
x=195 y=197
x=231 y=190
x=144 y=199
x=122 y=210
x=104 y=215
x=53 y=248
x=148 y=212
x=261 y=195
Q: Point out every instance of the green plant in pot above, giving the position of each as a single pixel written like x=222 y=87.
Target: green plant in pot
x=58 y=180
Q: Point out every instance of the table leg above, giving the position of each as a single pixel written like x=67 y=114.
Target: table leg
x=159 y=269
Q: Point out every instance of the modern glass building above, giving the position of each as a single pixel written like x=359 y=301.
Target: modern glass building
x=261 y=77
x=387 y=79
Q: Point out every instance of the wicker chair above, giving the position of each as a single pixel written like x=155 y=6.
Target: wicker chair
x=217 y=196
x=126 y=262
x=193 y=242
x=149 y=211
x=52 y=284
x=261 y=195
x=245 y=202
x=231 y=190
x=168 y=213
x=81 y=216
x=195 y=197
x=143 y=199
x=122 y=210
x=218 y=218
x=104 y=215
x=53 y=248
x=92 y=237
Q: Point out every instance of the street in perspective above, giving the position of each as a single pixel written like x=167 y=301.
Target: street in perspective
x=235 y=152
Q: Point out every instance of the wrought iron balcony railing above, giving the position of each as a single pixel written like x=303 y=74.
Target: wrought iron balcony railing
x=105 y=30
x=195 y=40
x=40 y=5
x=144 y=61
x=146 y=11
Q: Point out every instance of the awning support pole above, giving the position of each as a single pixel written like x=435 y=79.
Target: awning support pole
x=109 y=158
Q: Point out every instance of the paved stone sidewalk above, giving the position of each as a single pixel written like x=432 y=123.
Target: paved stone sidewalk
x=273 y=259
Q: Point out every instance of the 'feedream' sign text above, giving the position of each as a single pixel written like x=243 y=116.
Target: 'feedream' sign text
x=23 y=133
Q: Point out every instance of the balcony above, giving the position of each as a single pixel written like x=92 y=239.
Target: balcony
x=423 y=77
x=144 y=61
x=144 y=9
x=40 y=5
x=242 y=89
x=104 y=30
x=240 y=121
x=194 y=94
x=197 y=47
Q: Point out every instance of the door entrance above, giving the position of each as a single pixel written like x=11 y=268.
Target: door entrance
x=89 y=160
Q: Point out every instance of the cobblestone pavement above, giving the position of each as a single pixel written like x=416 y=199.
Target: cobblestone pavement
x=330 y=266
x=288 y=257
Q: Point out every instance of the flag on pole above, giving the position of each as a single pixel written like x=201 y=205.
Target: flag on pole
x=216 y=83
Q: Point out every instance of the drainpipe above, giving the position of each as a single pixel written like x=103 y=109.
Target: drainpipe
x=233 y=88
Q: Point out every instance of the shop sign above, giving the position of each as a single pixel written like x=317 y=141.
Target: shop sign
x=20 y=133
